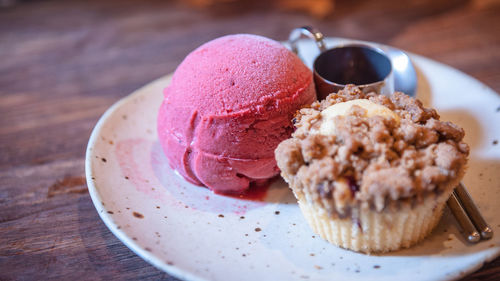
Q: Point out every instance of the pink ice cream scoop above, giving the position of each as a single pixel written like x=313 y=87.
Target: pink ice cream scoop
x=229 y=104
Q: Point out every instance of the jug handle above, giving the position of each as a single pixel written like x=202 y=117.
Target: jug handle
x=309 y=32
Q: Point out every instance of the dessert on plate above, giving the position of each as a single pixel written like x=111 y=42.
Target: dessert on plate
x=372 y=173
x=229 y=104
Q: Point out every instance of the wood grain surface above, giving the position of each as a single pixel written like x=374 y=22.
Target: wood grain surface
x=63 y=63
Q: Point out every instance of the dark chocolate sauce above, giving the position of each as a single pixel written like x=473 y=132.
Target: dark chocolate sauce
x=352 y=65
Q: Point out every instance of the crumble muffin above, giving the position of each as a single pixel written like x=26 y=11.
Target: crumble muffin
x=372 y=173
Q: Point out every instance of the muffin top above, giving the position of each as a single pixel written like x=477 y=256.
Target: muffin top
x=354 y=148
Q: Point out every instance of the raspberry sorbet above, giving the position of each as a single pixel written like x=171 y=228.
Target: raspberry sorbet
x=229 y=105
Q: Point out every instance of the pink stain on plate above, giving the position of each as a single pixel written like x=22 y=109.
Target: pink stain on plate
x=199 y=197
x=146 y=167
x=133 y=158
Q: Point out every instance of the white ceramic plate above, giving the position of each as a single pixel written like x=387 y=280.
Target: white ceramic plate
x=194 y=234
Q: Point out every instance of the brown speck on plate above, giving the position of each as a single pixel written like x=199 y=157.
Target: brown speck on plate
x=104 y=160
x=157 y=207
x=376 y=266
x=134 y=238
x=495 y=142
x=126 y=177
x=257 y=229
x=221 y=215
x=318 y=267
x=277 y=212
x=110 y=212
x=148 y=249
x=138 y=215
x=312 y=254
x=170 y=263
x=242 y=217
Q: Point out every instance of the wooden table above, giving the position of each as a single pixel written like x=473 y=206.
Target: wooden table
x=63 y=63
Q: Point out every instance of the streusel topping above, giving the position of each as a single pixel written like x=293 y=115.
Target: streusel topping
x=371 y=158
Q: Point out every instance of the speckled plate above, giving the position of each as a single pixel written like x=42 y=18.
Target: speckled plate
x=194 y=234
